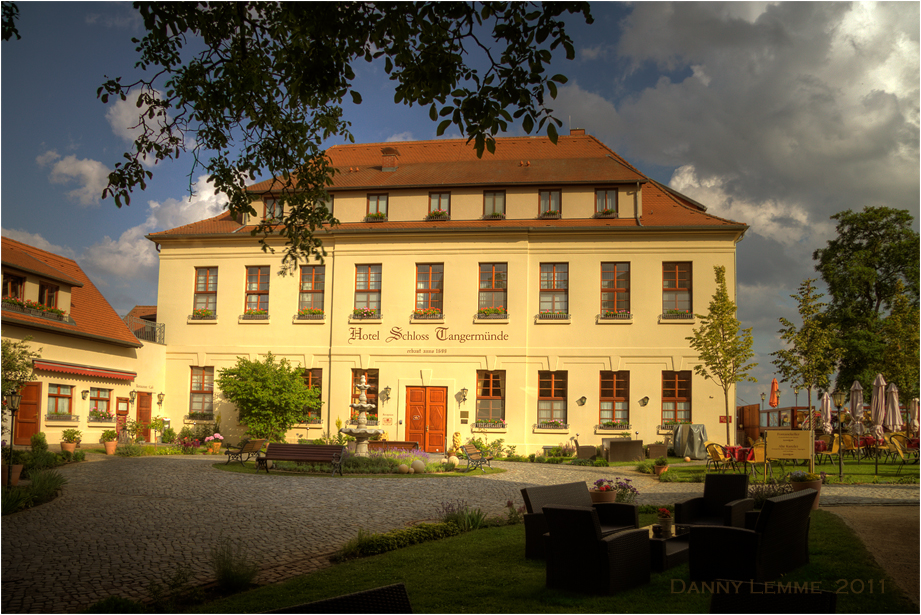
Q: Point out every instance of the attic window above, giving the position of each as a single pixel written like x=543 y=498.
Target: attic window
x=13 y=285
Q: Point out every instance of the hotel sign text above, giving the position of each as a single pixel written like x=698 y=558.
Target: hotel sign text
x=442 y=334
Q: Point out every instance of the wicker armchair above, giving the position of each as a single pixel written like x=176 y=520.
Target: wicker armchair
x=613 y=516
x=579 y=558
x=778 y=544
x=725 y=502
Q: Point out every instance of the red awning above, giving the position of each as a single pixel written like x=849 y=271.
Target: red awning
x=83 y=370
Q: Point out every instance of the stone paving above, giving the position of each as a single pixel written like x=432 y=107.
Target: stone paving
x=124 y=523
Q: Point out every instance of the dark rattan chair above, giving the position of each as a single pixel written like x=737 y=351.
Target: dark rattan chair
x=778 y=544
x=725 y=502
x=736 y=597
x=387 y=599
x=579 y=558
x=613 y=516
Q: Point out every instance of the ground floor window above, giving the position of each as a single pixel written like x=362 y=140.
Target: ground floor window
x=59 y=398
x=551 y=396
x=676 y=396
x=490 y=395
x=99 y=402
x=202 y=391
x=614 y=397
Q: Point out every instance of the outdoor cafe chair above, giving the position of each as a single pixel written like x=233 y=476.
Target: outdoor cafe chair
x=832 y=451
x=897 y=447
x=718 y=459
x=850 y=448
x=759 y=458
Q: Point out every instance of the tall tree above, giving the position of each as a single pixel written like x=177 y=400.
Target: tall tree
x=255 y=88
x=723 y=346
x=270 y=395
x=873 y=260
x=901 y=342
x=17 y=364
x=810 y=357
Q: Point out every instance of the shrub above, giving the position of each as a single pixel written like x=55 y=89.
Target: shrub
x=364 y=544
x=168 y=435
x=130 y=450
x=232 y=566
x=581 y=462
x=462 y=515
x=540 y=459
x=600 y=463
x=531 y=457
x=41 y=460
x=16 y=499
x=39 y=443
x=645 y=467
x=46 y=485
x=79 y=456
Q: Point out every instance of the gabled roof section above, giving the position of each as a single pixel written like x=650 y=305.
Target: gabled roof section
x=453 y=162
x=20 y=259
x=92 y=315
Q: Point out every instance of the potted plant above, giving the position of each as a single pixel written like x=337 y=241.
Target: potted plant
x=438 y=214
x=255 y=314
x=11 y=470
x=377 y=216
x=365 y=313
x=69 y=439
x=108 y=440
x=660 y=465
x=202 y=314
x=431 y=312
x=214 y=443
x=310 y=314
x=492 y=312
x=495 y=215
x=800 y=480
x=665 y=520
x=616 y=490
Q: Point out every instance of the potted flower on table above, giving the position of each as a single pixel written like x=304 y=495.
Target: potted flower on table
x=665 y=521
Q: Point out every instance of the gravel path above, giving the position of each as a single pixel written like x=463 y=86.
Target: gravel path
x=124 y=523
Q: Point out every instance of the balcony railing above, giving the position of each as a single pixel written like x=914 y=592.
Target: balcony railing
x=145 y=330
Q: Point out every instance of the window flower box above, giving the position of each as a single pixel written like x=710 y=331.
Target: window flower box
x=311 y=420
x=553 y=315
x=670 y=426
x=203 y=314
x=550 y=215
x=69 y=418
x=496 y=424
x=492 y=312
x=376 y=217
x=360 y=313
x=438 y=214
x=33 y=308
x=613 y=426
x=255 y=315
x=427 y=314
x=319 y=316
x=678 y=315
x=606 y=213
x=619 y=315
x=494 y=216
x=551 y=425
x=100 y=416
x=199 y=416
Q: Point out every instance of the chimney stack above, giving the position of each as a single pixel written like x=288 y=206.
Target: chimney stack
x=576 y=132
x=389 y=157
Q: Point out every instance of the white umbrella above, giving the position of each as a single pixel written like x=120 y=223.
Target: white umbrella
x=913 y=414
x=857 y=408
x=825 y=406
x=878 y=405
x=893 y=420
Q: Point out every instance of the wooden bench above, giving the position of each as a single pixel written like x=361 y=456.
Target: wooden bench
x=475 y=459
x=250 y=448
x=321 y=453
x=383 y=445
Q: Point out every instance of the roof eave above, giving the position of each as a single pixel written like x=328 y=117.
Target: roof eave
x=42 y=327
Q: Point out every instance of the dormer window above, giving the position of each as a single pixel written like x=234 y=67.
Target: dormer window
x=550 y=202
x=13 y=285
x=377 y=205
x=48 y=295
x=606 y=202
x=273 y=209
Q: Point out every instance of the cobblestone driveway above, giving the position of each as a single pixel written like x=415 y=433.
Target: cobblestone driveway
x=123 y=523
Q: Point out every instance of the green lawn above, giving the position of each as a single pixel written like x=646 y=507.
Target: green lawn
x=485 y=571
x=854 y=473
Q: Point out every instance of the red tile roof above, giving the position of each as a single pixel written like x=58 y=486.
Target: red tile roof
x=92 y=315
x=144 y=312
x=451 y=162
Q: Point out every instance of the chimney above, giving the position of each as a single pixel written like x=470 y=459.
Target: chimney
x=576 y=132
x=389 y=157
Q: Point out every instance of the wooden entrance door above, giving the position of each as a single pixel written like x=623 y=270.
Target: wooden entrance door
x=121 y=418
x=27 y=418
x=144 y=404
x=426 y=417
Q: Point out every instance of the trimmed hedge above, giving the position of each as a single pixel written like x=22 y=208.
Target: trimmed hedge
x=365 y=545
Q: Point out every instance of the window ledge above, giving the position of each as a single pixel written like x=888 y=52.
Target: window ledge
x=617 y=320
x=666 y=319
x=497 y=319
x=551 y=430
x=202 y=321
x=260 y=319
x=553 y=319
x=612 y=433
x=313 y=319
x=62 y=418
x=353 y=320
x=427 y=320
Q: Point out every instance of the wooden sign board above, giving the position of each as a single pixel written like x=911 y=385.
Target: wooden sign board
x=723 y=419
x=793 y=444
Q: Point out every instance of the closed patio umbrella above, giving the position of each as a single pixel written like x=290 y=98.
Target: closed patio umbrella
x=913 y=415
x=893 y=420
x=825 y=407
x=857 y=427
x=774 y=401
x=878 y=405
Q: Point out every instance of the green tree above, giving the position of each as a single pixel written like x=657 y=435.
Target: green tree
x=723 y=346
x=901 y=342
x=270 y=395
x=254 y=88
x=17 y=364
x=873 y=260
x=810 y=357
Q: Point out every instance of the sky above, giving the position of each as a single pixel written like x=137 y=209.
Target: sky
x=778 y=115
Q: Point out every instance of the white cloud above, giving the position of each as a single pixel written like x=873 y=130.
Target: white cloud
x=124 y=116
x=37 y=241
x=47 y=158
x=593 y=53
x=400 y=136
x=91 y=174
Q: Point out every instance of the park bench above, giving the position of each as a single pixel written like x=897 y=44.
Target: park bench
x=321 y=453
x=250 y=448
x=383 y=445
x=475 y=459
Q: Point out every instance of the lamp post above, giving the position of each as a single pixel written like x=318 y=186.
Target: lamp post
x=763 y=395
x=12 y=401
x=838 y=398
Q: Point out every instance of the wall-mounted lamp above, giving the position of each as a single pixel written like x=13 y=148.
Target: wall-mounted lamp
x=84 y=394
x=463 y=393
x=581 y=401
x=132 y=395
x=385 y=394
x=160 y=397
x=644 y=401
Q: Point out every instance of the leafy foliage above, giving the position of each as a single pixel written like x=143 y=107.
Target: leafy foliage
x=270 y=81
x=270 y=395
x=871 y=268
x=723 y=346
x=17 y=364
